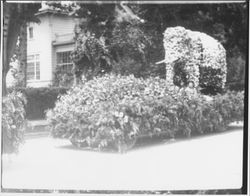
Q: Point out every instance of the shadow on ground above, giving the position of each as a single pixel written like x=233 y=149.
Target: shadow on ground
x=149 y=142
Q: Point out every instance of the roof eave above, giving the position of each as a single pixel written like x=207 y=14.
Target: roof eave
x=51 y=12
x=63 y=43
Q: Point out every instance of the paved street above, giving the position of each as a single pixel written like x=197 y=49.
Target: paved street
x=212 y=161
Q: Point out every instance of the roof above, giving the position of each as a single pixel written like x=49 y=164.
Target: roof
x=56 y=43
x=63 y=39
x=52 y=11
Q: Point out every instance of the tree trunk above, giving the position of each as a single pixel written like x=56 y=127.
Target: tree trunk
x=23 y=54
x=4 y=87
x=5 y=66
x=11 y=30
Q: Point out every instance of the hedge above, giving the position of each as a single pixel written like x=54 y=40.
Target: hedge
x=112 y=111
x=40 y=99
x=13 y=121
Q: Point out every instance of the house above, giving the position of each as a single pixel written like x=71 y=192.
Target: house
x=49 y=44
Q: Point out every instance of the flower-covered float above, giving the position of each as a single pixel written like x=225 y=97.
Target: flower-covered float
x=194 y=56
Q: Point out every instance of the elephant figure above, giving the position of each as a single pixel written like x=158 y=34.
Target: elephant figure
x=202 y=57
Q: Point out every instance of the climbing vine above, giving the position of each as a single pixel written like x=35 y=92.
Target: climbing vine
x=90 y=55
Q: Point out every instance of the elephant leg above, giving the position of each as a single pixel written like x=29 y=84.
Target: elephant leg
x=169 y=74
x=193 y=74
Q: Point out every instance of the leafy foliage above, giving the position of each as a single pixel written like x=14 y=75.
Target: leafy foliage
x=129 y=43
x=62 y=78
x=15 y=15
x=40 y=99
x=230 y=106
x=211 y=80
x=180 y=73
x=13 y=121
x=112 y=111
x=90 y=55
x=225 y=22
x=236 y=69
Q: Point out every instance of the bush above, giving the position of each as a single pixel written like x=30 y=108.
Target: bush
x=13 y=121
x=62 y=77
x=230 y=106
x=40 y=99
x=209 y=78
x=112 y=111
x=129 y=47
x=236 y=64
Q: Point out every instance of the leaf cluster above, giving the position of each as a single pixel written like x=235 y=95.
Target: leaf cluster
x=13 y=121
x=113 y=111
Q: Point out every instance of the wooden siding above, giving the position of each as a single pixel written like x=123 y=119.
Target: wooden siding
x=52 y=28
x=41 y=44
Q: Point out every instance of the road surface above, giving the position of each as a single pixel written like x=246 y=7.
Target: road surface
x=206 y=162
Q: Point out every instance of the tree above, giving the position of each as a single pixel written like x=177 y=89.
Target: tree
x=225 y=22
x=118 y=28
x=15 y=15
x=22 y=54
x=90 y=56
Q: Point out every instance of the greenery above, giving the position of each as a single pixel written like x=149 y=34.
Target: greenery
x=127 y=39
x=112 y=111
x=230 y=105
x=39 y=100
x=90 y=56
x=210 y=80
x=236 y=70
x=95 y=99
x=13 y=121
x=16 y=16
x=128 y=47
x=225 y=22
x=62 y=78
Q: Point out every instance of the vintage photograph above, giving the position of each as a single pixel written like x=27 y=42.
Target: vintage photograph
x=124 y=97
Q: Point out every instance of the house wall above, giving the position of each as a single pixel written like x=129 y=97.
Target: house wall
x=62 y=25
x=49 y=30
x=62 y=31
x=41 y=44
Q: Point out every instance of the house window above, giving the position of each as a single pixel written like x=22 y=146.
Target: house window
x=64 y=61
x=31 y=32
x=33 y=67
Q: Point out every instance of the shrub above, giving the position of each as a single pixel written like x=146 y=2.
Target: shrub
x=112 y=111
x=209 y=78
x=90 y=55
x=129 y=47
x=63 y=77
x=40 y=99
x=84 y=109
x=236 y=69
x=230 y=106
x=13 y=121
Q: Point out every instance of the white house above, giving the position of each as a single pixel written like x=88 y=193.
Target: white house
x=49 y=44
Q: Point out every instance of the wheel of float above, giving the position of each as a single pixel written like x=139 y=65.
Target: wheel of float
x=126 y=145
x=131 y=142
x=78 y=143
